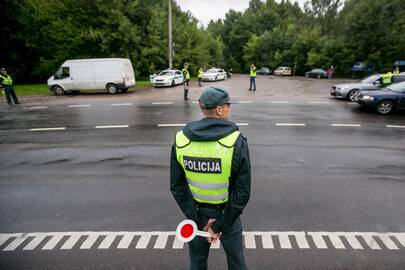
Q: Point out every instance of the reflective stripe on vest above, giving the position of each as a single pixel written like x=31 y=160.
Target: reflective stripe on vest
x=207 y=166
x=252 y=72
x=6 y=80
x=187 y=77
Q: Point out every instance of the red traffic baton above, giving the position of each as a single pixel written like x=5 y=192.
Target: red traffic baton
x=187 y=230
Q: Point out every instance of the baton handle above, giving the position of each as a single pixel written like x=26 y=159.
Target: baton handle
x=203 y=234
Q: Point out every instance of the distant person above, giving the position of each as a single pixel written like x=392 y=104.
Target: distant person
x=387 y=78
x=186 y=80
x=330 y=72
x=252 y=77
x=7 y=83
x=199 y=76
x=396 y=70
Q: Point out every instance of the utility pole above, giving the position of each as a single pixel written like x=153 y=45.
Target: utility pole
x=170 y=35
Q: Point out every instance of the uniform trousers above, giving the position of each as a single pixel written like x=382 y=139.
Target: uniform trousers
x=252 y=82
x=10 y=94
x=231 y=240
x=186 y=89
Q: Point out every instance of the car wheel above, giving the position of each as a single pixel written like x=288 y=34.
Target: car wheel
x=352 y=95
x=58 y=91
x=385 y=106
x=173 y=83
x=112 y=88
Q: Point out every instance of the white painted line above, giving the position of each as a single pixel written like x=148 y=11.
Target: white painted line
x=53 y=242
x=3 y=239
x=161 y=241
x=280 y=102
x=267 y=241
x=89 y=242
x=34 y=242
x=113 y=126
x=242 y=124
x=216 y=245
x=162 y=103
x=336 y=241
x=353 y=242
x=245 y=101
x=35 y=108
x=71 y=241
x=345 y=125
x=108 y=240
x=370 y=241
x=318 y=240
x=318 y=102
x=290 y=124
x=177 y=244
x=250 y=242
x=47 y=129
x=16 y=243
x=126 y=241
x=143 y=241
x=284 y=241
x=394 y=126
x=121 y=104
x=195 y=102
x=171 y=125
x=388 y=242
x=301 y=240
x=79 y=105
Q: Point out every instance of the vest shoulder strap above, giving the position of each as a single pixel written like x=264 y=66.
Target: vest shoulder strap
x=230 y=140
x=182 y=140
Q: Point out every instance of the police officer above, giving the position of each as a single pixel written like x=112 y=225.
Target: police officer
x=186 y=79
x=387 y=78
x=7 y=83
x=199 y=76
x=252 y=77
x=210 y=178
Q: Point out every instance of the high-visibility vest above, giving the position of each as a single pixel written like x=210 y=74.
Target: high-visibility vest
x=6 y=80
x=187 y=76
x=207 y=166
x=252 y=72
x=396 y=71
x=387 y=78
x=200 y=73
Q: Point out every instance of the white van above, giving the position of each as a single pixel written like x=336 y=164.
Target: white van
x=110 y=74
x=282 y=71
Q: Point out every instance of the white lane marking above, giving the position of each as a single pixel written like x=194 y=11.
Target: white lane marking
x=351 y=103
x=195 y=102
x=79 y=105
x=160 y=240
x=171 y=125
x=318 y=102
x=35 y=108
x=345 y=125
x=394 y=126
x=121 y=104
x=242 y=124
x=47 y=129
x=113 y=126
x=216 y=245
x=280 y=102
x=162 y=103
x=291 y=124
x=245 y=101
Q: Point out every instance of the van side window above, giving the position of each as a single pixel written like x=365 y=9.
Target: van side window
x=62 y=73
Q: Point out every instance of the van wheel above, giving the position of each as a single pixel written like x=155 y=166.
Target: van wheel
x=112 y=88
x=58 y=91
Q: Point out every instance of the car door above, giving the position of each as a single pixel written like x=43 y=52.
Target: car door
x=222 y=74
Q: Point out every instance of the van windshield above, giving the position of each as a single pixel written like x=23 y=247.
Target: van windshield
x=62 y=73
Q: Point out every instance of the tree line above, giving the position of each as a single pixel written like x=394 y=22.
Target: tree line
x=39 y=35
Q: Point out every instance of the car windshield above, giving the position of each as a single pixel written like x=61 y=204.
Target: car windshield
x=211 y=71
x=317 y=70
x=166 y=73
x=397 y=87
x=371 y=79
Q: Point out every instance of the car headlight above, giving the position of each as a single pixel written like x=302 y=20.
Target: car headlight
x=369 y=98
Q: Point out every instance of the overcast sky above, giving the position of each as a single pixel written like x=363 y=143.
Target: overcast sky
x=206 y=10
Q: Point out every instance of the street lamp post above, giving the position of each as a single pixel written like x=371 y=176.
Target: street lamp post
x=170 y=35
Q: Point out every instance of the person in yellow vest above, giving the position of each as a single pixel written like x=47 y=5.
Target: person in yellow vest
x=396 y=70
x=210 y=179
x=387 y=78
x=252 y=77
x=186 y=80
x=7 y=83
x=199 y=76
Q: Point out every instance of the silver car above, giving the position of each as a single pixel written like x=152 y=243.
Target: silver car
x=350 y=90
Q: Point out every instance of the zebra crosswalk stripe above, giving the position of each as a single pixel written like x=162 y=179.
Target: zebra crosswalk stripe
x=167 y=240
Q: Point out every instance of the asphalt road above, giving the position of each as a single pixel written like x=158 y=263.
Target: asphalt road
x=327 y=189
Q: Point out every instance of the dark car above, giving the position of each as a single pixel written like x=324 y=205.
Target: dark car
x=362 y=67
x=264 y=71
x=384 y=100
x=316 y=73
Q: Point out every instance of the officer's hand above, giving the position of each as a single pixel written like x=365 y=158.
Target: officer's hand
x=207 y=228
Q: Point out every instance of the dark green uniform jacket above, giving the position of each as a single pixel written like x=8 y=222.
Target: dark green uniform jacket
x=213 y=129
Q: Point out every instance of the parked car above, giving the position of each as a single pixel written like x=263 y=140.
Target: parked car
x=358 y=67
x=110 y=74
x=214 y=74
x=169 y=77
x=371 y=83
x=384 y=100
x=264 y=71
x=316 y=73
x=282 y=71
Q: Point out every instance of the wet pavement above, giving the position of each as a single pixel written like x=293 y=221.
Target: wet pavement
x=327 y=189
